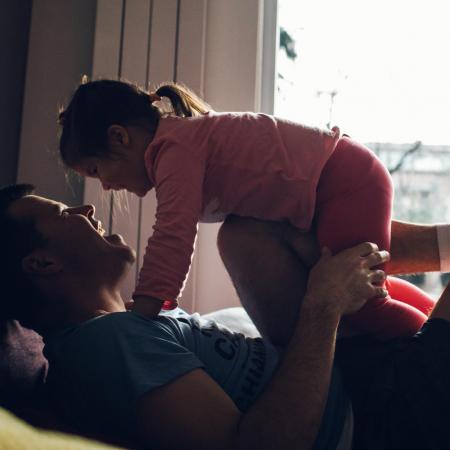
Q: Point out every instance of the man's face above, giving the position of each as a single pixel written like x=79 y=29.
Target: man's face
x=76 y=238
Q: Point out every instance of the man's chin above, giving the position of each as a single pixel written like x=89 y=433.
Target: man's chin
x=118 y=241
x=115 y=239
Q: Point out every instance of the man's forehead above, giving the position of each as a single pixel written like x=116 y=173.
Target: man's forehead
x=34 y=206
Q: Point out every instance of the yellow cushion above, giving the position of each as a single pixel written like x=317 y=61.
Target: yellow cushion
x=16 y=434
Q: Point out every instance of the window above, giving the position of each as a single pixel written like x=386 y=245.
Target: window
x=380 y=71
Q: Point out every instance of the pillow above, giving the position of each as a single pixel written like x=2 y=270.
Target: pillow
x=17 y=435
x=236 y=319
x=23 y=366
x=23 y=369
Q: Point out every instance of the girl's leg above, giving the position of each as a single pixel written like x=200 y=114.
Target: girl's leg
x=354 y=202
x=262 y=262
x=268 y=274
x=354 y=199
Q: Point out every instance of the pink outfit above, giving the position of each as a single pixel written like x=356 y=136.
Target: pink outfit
x=353 y=205
x=207 y=167
x=255 y=165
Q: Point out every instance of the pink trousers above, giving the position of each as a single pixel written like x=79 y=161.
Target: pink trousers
x=354 y=203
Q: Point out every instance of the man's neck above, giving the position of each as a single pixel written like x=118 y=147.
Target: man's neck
x=98 y=303
x=81 y=304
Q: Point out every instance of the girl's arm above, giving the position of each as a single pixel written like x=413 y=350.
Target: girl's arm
x=195 y=413
x=179 y=194
x=147 y=306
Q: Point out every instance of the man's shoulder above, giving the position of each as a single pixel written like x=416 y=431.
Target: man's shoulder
x=106 y=331
x=118 y=349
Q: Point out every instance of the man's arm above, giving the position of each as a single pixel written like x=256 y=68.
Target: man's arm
x=414 y=248
x=195 y=412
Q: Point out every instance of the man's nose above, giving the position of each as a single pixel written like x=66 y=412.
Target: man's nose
x=85 y=210
x=89 y=210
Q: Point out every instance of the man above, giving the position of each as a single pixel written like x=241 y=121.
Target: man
x=399 y=390
x=176 y=381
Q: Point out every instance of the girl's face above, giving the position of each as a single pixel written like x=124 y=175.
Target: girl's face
x=126 y=170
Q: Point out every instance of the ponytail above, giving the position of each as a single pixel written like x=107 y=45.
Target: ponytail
x=93 y=108
x=96 y=105
x=185 y=102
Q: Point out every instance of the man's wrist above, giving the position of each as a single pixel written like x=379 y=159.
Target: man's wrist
x=314 y=305
x=443 y=237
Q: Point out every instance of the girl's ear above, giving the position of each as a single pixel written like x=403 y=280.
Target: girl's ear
x=41 y=263
x=118 y=135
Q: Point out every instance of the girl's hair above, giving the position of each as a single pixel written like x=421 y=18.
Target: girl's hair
x=96 y=105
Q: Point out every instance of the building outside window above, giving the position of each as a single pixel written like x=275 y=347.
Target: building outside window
x=379 y=71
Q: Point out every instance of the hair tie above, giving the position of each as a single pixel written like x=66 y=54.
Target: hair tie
x=154 y=97
x=162 y=104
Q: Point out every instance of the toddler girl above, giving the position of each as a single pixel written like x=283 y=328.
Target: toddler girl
x=205 y=165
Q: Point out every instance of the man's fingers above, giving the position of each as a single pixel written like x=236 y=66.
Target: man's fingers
x=380 y=292
x=377 y=276
x=367 y=248
x=376 y=258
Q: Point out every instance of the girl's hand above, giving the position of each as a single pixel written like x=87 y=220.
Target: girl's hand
x=129 y=305
x=345 y=282
x=147 y=306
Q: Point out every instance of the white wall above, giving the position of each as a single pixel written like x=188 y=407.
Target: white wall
x=213 y=46
x=59 y=52
x=14 y=30
x=232 y=75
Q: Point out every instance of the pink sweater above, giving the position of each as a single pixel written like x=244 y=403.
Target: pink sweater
x=204 y=168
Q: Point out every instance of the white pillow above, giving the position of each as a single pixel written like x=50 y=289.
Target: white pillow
x=235 y=319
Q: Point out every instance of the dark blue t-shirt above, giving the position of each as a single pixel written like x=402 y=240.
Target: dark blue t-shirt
x=102 y=366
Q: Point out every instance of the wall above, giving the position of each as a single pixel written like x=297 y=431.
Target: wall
x=213 y=46
x=14 y=29
x=232 y=74
x=60 y=51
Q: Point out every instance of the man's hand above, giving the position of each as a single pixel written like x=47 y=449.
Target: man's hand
x=147 y=306
x=345 y=282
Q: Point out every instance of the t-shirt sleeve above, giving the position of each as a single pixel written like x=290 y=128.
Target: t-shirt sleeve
x=107 y=368
x=179 y=192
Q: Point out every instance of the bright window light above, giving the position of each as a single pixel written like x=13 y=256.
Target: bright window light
x=386 y=61
x=381 y=72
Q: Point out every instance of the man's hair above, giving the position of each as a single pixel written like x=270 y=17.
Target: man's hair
x=20 y=299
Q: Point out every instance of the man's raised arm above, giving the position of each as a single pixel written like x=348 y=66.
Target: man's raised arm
x=193 y=411
x=414 y=248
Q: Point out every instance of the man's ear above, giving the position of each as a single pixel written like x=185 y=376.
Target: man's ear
x=118 y=135
x=41 y=263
